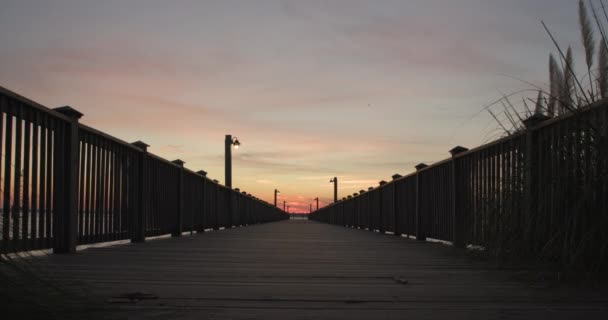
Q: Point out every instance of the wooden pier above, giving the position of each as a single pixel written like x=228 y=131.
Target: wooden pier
x=299 y=269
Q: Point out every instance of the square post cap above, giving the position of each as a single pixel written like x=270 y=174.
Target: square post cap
x=355 y=194
x=178 y=162
x=421 y=166
x=244 y=192
x=361 y=191
x=214 y=180
x=142 y=145
x=343 y=198
x=458 y=149
x=382 y=183
x=237 y=189
x=202 y=173
x=396 y=176
x=349 y=196
x=69 y=112
x=535 y=119
x=370 y=188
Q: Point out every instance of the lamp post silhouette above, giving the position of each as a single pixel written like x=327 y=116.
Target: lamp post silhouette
x=317 y=199
x=275 y=196
x=310 y=210
x=335 y=181
x=283 y=205
x=228 y=143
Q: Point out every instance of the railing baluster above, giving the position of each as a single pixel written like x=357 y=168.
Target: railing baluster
x=8 y=152
x=16 y=208
x=34 y=186
x=25 y=228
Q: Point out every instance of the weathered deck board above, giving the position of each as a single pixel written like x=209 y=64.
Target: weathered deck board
x=307 y=270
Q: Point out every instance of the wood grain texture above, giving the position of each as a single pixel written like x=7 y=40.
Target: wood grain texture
x=301 y=269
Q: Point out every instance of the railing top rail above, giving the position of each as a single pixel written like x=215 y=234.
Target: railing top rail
x=596 y=105
x=152 y=155
x=33 y=104
x=197 y=174
x=109 y=137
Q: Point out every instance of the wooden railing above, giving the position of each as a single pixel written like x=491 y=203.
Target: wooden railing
x=65 y=184
x=540 y=192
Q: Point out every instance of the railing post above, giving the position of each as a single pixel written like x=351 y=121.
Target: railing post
x=397 y=229
x=353 y=211
x=361 y=209
x=457 y=213
x=420 y=227
x=381 y=227
x=529 y=162
x=229 y=220
x=141 y=195
x=216 y=197
x=65 y=187
x=343 y=214
x=177 y=232
x=236 y=209
x=247 y=208
x=370 y=217
x=201 y=226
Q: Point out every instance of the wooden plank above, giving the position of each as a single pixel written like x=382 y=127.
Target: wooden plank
x=476 y=162
x=25 y=226
x=8 y=152
x=276 y=271
x=89 y=187
x=151 y=214
x=51 y=147
x=3 y=117
x=34 y=186
x=18 y=148
x=116 y=214
x=111 y=193
x=42 y=231
x=17 y=178
x=98 y=186
x=81 y=189
x=125 y=192
x=104 y=191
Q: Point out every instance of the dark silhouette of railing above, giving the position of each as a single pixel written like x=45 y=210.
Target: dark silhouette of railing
x=540 y=192
x=66 y=184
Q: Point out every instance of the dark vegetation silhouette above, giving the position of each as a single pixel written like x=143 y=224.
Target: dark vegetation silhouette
x=580 y=243
x=536 y=195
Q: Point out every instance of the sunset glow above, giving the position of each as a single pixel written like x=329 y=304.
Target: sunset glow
x=359 y=90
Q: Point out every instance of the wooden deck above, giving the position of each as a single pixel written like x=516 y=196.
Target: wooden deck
x=301 y=269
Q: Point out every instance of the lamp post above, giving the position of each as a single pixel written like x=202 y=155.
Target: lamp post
x=283 y=205
x=335 y=181
x=310 y=210
x=228 y=143
x=317 y=199
x=275 y=196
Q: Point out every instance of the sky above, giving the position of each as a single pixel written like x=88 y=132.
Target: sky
x=356 y=89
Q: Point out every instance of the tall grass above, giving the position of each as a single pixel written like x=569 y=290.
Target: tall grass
x=570 y=228
x=566 y=92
